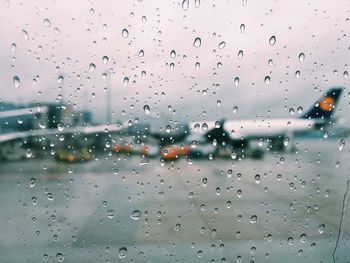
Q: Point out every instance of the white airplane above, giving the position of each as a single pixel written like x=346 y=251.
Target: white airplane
x=277 y=132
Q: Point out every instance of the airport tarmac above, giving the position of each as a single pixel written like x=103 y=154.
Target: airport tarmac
x=286 y=207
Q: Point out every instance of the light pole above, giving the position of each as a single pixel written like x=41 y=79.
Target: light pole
x=109 y=100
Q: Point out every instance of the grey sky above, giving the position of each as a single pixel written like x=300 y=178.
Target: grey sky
x=89 y=30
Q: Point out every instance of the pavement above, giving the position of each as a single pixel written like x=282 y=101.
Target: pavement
x=286 y=207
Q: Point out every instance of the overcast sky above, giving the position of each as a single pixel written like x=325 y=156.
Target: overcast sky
x=62 y=38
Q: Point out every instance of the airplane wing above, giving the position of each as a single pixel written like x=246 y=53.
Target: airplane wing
x=74 y=130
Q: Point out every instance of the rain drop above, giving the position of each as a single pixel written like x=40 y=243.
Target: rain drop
x=60 y=79
x=32 y=182
x=197 y=66
x=185 y=4
x=122 y=252
x=222 y=44
x=253 y=219
x=59 y=257
x=267 y=80
x=13 y=47
x=135 y=215
x=197 y=42
x=110 y=214
x=125 y=33
x=197 y=3
x=272 y=40
x=341 y=144
x=25 y=35
x=16 y=81
x=141 y=53
x=301 y=57
x=240 y=54
x=60 y=127
x=172 y=54
x=46 y=22
x=105 y=59
x=29 y=153
x=92 y=67
x=125 y=81
x=242 y=28
x=204 y=127
x=236 y=81
x=146 y=109
x=321 y=228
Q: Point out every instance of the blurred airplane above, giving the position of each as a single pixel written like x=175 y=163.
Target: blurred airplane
x=237 y=134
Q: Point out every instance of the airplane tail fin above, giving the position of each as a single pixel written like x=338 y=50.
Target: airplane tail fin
x=324 y=107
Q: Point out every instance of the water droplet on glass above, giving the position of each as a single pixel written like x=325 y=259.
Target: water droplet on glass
x=13 y=47
x=272 y=40
x=59 y=257
x=45 y=257
x=110 y=213
x=341 y=144
x=267 y=80
x=25 y=35
x=146 y=109
x=50 y=196
x=297 y=74
x=46 y=22
x=16 y=81
x=240 y=54
x=60 y=79
x=236 y=81
x=125 y=81
x=291 y=111
x=92 y=67
x=204 y=127
x=222 y=44
x=60 y=127
x=185 y=4
x=197 y=3
x=242 y=28
x=300 y=110
x=32 y=182
x=141 y=53
x=345 y=75
x=301 y=57
x=29 y=153
x=197 y=66
x=122 y=252
x=135 y=215
x=125 y=33
x=253 y=219
x=172 y=54
x=177 y=227
x=321 y=228
x=197 y=42
x=325 y=135
x=105 y=59
x=235 y=109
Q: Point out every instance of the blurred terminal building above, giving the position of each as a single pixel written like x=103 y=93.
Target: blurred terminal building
x=17 y=118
